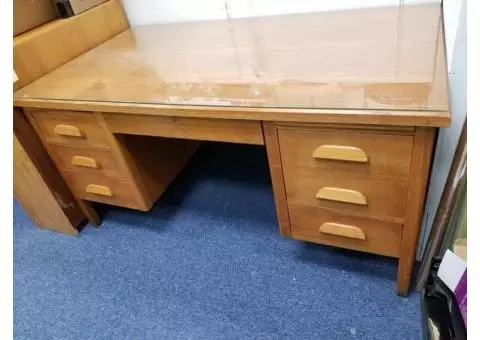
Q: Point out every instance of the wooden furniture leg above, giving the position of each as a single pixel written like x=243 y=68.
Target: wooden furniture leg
x=419 y=172
x=276 y=172
x=89 y=213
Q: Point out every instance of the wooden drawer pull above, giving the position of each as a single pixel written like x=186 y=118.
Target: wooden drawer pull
x=68 y=130
x=340 y=153
x=344 y=230
x=99 y=190
x=85 y=162
x=342 y=195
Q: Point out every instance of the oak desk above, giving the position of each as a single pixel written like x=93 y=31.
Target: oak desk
x=347 y=104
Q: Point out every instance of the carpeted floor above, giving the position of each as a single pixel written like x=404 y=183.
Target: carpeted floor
x=206 y=263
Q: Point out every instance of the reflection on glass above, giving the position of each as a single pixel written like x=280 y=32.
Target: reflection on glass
x=378 y=58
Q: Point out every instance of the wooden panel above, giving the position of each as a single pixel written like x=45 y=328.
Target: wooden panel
x=381 y=237
x=293 y=115
x=421 y=158
x=157 y=160
x=34 y=195
x=388 y=155
x=221 y=130
x=35 y=177
x=384 y=197
x=149 y=177
x=72 y=158
x=49 y=46
x=106 y=190
x=276 y=172
x=70 y=128
x=381 y=129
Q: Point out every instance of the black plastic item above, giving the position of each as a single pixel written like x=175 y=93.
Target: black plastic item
x=64 y=8
x=439 y=305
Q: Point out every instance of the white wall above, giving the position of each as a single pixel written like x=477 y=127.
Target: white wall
x=452 y=11
x=145 y=12
x=455 y=18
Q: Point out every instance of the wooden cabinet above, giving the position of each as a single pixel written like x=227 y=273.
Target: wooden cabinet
x=101 y=167
x=356 y=187
x=347 y=186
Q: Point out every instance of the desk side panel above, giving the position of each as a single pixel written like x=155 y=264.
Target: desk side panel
x=37 y=184
x=276 y=172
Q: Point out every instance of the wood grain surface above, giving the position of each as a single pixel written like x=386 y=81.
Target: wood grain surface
x=388 y=154
x=384 y=198
x=45 y=48
x=421 y=159
x=381 y=237
x=35 y=196
x=38 y=185
x=343 y=66
x=221 y=130
x=90 y=133
x=276 y=173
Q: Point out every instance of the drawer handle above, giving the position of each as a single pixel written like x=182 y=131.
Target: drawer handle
x=344 y=230
x=340 y=153
x=341 y=195
x=68 y=130
x=99 y=190
x=85 y=162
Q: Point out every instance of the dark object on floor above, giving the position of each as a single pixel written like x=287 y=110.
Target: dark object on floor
x=439 y=305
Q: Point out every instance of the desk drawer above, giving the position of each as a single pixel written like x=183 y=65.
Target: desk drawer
x=217 y=130
x=345 y=231
x=87 y=161
x=341 y=190
x=368 y=155
x=70 y=128
x=105 y=190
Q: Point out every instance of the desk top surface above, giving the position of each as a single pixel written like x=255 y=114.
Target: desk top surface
x=387 y=60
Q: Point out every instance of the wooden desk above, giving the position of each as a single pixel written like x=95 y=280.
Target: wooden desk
x=347 y=104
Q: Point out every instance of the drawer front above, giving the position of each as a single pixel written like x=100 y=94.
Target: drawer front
x=70 y=128
x=105 y=190
x=368 y=155
x=221 y=130
x=343 y=191
x=87 y=161
x=346 y=231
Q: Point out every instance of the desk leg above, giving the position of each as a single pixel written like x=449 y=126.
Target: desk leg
x=89 y=213
x=419 y=172
x=276 y=172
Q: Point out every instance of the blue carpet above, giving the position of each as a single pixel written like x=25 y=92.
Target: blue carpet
x=206 y=263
